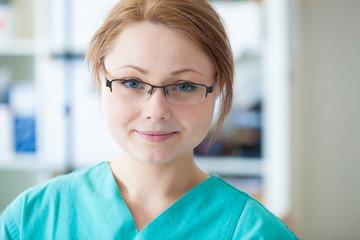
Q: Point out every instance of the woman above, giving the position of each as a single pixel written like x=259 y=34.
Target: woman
x=160 y=65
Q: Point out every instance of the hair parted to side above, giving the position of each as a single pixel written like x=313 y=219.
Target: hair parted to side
x=195 y=18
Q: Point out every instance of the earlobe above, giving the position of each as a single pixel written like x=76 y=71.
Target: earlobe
x=218 y=90
x=218 y=87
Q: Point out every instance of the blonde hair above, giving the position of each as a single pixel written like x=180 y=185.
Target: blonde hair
x=195 y=18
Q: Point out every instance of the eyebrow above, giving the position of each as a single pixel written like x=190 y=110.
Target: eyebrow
x=143 y=71
x=186 y=70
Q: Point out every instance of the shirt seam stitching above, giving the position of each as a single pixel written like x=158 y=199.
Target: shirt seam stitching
x=14 y=231
x=232 y=223
x=231 y=231
x=59 y=221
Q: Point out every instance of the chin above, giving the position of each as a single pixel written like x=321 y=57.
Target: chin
x=154 y=158
x=157 y=157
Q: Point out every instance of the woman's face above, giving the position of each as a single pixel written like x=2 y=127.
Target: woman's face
x=156 y=130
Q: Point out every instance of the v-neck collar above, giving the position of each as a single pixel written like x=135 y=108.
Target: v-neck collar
x=178 y=203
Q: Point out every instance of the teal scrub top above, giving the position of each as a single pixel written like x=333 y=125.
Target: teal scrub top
x=87 y=204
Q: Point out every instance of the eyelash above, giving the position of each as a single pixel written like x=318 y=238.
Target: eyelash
x=133 y=79
x=125 y=81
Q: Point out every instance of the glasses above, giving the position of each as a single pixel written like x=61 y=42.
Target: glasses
x=181 y=93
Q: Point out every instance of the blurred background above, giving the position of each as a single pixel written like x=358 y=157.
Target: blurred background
x=292 y=139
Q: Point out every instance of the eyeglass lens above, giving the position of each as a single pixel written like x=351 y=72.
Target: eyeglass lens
x=176 y=93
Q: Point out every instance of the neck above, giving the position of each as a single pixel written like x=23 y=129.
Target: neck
x=170 y=180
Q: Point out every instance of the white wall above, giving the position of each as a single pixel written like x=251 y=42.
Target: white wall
x=326 y=118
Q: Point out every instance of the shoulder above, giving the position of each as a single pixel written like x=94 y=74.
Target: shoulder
x=253 y=219
x=228 y=192
x=52 y=189
x=41 y=203
x=258 y=221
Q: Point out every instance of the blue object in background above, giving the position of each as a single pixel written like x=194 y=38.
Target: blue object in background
x=25 y=134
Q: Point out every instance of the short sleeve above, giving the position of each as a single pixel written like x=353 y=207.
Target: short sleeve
x=256 y=222
x=23 y=217
x=8 y=229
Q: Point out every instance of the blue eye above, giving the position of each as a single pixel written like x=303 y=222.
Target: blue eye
x=132 y=84
x=186 y=87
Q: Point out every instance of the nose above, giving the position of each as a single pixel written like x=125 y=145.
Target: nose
x=157 y=107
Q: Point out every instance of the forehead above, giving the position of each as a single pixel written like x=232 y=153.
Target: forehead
x=155 y=47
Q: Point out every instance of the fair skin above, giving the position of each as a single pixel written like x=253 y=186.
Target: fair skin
x=156 y=166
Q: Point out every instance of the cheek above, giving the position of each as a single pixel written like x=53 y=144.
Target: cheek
x=198 y=117
x=108 y=109
x=115 y=112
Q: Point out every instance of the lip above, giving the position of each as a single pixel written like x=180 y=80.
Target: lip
x=156 y=136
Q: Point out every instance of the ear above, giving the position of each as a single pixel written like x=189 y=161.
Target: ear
x=218 y=88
